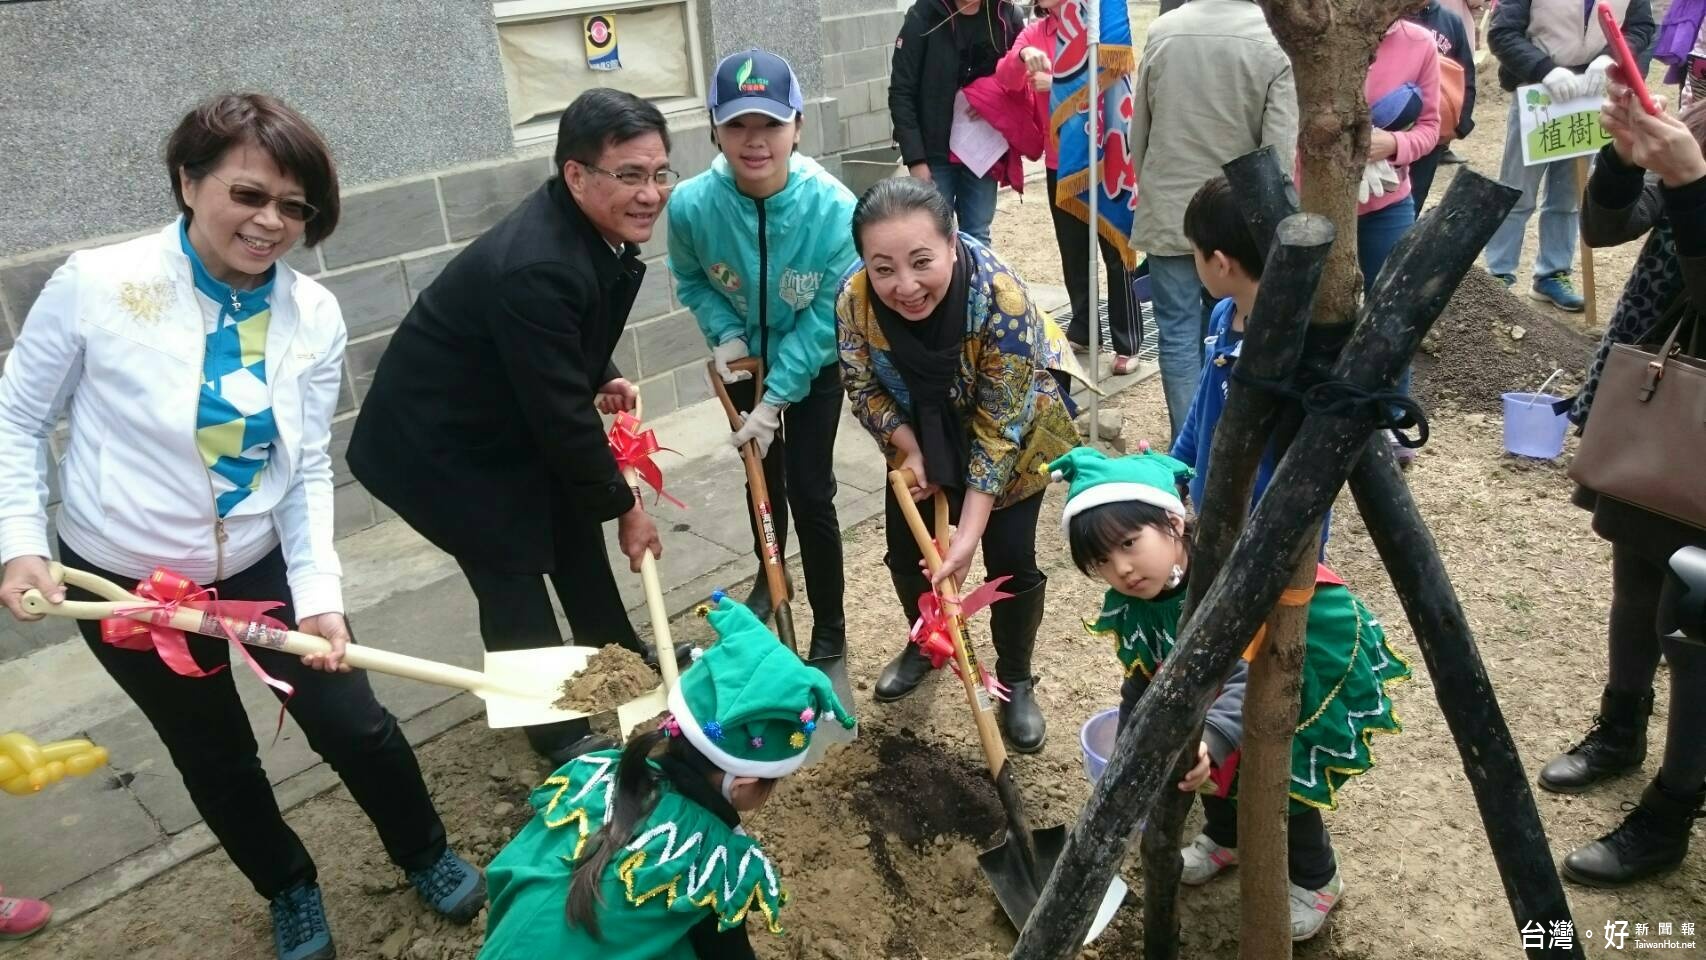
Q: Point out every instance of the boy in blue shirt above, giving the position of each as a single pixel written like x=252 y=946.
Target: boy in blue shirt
x=1230 y=266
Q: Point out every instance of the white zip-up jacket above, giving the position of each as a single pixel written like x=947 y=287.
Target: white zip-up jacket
x=119 y=334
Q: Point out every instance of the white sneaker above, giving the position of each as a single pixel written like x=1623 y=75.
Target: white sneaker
x=1309 y=908
x=1204 y=859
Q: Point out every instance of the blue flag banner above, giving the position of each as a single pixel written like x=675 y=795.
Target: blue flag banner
x=1069 y=121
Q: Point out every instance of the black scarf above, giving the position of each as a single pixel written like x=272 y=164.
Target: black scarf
x=927 y=353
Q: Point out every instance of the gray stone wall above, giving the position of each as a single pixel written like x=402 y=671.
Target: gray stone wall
x=858 y=43
x=92 y=87
x=395 y=237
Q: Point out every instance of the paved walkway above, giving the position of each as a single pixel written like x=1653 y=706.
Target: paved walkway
x=85 y=841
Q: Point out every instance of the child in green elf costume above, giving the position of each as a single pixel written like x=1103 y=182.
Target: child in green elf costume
x=640 y=854
x=1125 y=523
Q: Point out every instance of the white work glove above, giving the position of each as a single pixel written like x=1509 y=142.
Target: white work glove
x=1370 y=185
x=760 y=426
x=1388 y=174
x=1594 y=77
x=726 y=353
x=1562 y=84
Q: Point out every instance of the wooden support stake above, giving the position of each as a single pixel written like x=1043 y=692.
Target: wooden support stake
x=1583 y=169
x=1466 y=697
x=1424 y=269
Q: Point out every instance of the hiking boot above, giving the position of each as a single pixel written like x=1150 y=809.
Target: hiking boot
x=299 y=928
x=1013 y=626
x=1615 y=744
x=1559 y=291
x=908 y=669
x=1204 y=859
x=451 y=887
x=20 y=918
x=1508 y=279
x=1309 y=908
x=1651 y=840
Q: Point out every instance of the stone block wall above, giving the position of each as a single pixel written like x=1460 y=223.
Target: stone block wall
x=394 y=237
x=858 y=43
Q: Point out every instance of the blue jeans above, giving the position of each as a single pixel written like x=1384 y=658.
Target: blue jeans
x=1559 y=224
x=1377 y=233
x=1176 y=294
x=973 y=198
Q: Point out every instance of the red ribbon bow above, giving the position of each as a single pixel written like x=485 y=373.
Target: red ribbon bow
x=634 y=447
x=170 y=592
x=934 y=630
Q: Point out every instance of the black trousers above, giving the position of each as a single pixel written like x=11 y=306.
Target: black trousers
x=516 y=613
x=1309 y=851
x=1125 y=321
x=205 y=730
x=1009 y=541
x=799 y=471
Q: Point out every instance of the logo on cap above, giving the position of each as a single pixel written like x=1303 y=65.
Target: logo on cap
x=747 y=83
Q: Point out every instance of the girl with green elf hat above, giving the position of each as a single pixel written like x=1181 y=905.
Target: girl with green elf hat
x=640 y=854
x=1125 y=523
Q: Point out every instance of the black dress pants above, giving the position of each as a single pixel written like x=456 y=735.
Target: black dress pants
x=1125 y=321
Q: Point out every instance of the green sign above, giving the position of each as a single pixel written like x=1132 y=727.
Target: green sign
x=1558 y=130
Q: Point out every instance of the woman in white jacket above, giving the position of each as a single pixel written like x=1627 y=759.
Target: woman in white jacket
x=199 y=374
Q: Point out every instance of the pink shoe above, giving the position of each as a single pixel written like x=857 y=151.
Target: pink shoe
x=20 y=918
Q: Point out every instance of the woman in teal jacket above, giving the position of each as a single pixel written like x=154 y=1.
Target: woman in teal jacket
x=758 y=245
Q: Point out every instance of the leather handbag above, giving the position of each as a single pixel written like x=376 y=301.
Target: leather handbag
x=1645 y=438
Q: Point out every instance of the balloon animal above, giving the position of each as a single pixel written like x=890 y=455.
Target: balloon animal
x=26 y=766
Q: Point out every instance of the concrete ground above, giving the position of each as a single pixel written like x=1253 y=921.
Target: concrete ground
x=86 y=840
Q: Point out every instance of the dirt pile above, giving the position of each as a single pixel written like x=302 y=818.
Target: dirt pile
x=1488 y=342
x=613 y=676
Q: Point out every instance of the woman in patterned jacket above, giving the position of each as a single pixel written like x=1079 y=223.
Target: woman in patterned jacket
x=948 y=364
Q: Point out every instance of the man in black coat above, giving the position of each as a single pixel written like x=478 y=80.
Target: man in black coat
x=482 y=430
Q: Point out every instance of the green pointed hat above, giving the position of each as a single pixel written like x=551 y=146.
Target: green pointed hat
x=748 y=704
x=1095 y=479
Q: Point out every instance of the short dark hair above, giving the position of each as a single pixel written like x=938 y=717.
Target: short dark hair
x=227 y=120
x=1214 y=222
x=1097 y=532
x=897 y=197
x=602 y=117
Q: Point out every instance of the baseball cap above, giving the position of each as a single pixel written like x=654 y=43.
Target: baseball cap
x=755 y=81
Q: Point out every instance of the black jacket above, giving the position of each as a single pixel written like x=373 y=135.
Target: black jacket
x=1523 y=61
x=927 y=70
x=479 y=426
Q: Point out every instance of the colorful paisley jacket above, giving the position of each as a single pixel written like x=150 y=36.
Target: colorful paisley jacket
x=1005 y=393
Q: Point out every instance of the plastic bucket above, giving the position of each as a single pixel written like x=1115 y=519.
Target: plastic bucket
x=1097 y=741
x=1531 y=428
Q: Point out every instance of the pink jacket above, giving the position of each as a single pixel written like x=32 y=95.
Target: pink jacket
x=1407 y=54
x=1013 y=76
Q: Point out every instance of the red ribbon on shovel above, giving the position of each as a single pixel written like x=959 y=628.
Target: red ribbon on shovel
x=934 y=630
x=634 y=447
x=169 y=592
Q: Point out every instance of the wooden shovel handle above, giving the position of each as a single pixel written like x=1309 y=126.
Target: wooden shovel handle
x=258 y=635
x=762 y=512
x=661 y=639
x=988 y=735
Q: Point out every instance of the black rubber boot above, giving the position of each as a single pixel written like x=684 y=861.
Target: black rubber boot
x=828 y=639
x=1617 y=743
x=908 y=669
x=1652 y=840
x=758 y=601
x=1013 y=626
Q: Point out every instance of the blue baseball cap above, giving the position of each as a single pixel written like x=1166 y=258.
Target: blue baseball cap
x=755 y=81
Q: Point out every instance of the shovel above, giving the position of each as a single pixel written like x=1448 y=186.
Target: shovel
x=1017 y=867
x=833 y=667
x=520 y=687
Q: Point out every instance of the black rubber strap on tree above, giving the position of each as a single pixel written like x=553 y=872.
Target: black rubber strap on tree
x=1313 y=387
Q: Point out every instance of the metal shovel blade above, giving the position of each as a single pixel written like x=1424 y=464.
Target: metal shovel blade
x=526 y=684
x=1017 y=890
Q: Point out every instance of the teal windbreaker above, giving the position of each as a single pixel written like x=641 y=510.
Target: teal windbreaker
x=792 y=249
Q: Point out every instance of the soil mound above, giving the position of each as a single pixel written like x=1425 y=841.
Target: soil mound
x=613 y=676
x=1489 y=341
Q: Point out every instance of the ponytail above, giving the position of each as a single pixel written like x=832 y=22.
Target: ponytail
x=633 y=801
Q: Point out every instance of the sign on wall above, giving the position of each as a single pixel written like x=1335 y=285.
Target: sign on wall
x=601 y=52
x=1558 y=130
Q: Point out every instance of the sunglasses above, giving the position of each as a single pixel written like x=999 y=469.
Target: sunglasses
x=256 y=198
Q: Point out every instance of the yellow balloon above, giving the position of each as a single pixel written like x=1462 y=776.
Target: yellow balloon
x=26 y=767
